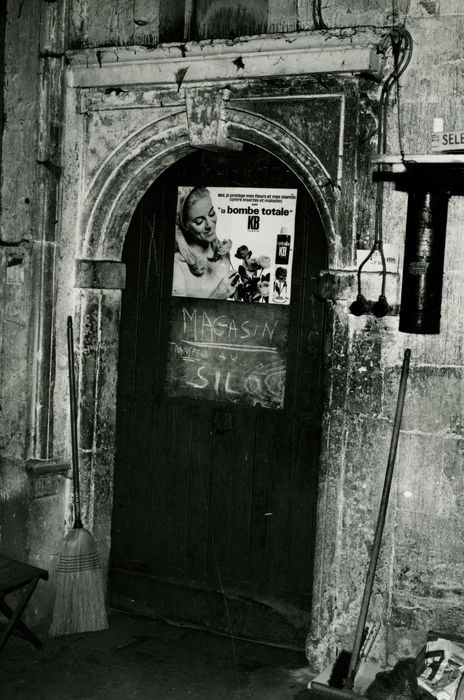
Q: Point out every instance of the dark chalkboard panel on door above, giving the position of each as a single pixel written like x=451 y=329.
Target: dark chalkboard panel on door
x=217 y=458
x=225 y=351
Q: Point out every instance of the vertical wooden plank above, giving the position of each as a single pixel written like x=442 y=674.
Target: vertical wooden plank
x=285 y=433
x=304 y=476
x=125 y=416
x=199 y=493
x=2 y=72
x=160 y=472
x=142 y=374
x=20 y=195
x=145 y=22
x=141 y=527
x=282 y=16
x=179 y=495
x=162 y=425
x=242 y=495
x=279 y=503
x=305 y=15
x=171 y=20
x=130 y=310
x=303 y=495
x=217 y=19
x=114 y=23
x=189 y=13
x=262 y=481
x=221 y=495
x=137 y=371
x=78 y=24
x=303 y=479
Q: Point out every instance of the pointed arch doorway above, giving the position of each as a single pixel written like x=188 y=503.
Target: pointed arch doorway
x=214 y=503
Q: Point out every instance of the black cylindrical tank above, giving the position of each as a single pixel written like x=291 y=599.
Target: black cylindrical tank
x=424 y=254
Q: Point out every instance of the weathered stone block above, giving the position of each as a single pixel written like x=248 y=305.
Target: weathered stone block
x=415 y=621
x=361 y=12
x=365 y=376
x=403 y=641
x=100 y=274
x=15 y=310
x=453 y=471
x=428 y=567
x=334 y=285
x=336 y=354
x=46 y=476
x=434 y=398
x=19 y=192
x=14 y=496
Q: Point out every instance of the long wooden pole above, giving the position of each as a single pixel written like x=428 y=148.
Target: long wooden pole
x=354 y=662
x=73 y=407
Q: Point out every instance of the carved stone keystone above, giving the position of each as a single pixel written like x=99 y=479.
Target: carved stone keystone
x=207 y=122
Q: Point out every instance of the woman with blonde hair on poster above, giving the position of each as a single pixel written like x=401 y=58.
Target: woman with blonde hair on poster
x=202 y=265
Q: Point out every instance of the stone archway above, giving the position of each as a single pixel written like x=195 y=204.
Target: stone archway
x=113 y=194
x=127 y=174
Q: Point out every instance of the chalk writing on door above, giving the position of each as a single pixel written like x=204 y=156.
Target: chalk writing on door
x=227 y=352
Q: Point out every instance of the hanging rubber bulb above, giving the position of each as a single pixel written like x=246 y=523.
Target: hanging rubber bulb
x=381 y=307
x=360 y=306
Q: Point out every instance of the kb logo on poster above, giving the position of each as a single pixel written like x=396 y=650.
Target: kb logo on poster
x=253 y=223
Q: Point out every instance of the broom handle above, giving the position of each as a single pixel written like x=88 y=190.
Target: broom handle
x=354 y=662
x=72 y=400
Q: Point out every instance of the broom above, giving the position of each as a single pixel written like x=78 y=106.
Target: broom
x=79 y=599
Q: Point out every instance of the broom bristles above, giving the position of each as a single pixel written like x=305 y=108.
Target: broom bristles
x=79 y=600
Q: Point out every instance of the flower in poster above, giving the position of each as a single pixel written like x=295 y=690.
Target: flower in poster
x=221 y=248
x=224 y=246
x=243 y=252
x=250 y=264
x=264 y=261
x=253 y=286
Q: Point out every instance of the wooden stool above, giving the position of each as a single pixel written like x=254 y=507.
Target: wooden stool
x=14 y=575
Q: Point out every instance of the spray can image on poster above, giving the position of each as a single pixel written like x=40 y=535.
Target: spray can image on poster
x=282 y=257
x=282 y=247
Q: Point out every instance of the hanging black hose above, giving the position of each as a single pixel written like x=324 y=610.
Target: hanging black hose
x=401 y=44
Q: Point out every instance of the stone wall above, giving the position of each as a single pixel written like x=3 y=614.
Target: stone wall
x=32 y=481
x=427 y=529
x=419 y=585
x=18 y=211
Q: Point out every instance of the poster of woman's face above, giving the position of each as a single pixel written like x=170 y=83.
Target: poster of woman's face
x=234 y=244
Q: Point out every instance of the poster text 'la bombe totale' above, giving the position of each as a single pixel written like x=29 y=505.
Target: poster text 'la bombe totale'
x=232 y=245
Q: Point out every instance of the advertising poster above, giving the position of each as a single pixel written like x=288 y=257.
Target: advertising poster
x=234 y=244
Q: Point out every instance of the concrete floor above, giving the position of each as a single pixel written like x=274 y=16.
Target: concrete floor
x=139 y=658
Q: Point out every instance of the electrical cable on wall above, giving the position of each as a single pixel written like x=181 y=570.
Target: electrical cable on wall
x=401 y=45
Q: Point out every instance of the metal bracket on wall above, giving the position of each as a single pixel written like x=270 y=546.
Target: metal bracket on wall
x=429 y=180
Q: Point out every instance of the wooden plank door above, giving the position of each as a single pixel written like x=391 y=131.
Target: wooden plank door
x=214 y=502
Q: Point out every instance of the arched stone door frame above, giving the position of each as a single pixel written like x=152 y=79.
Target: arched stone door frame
x=202 y=100
x=113 y=195
x=128 y=173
